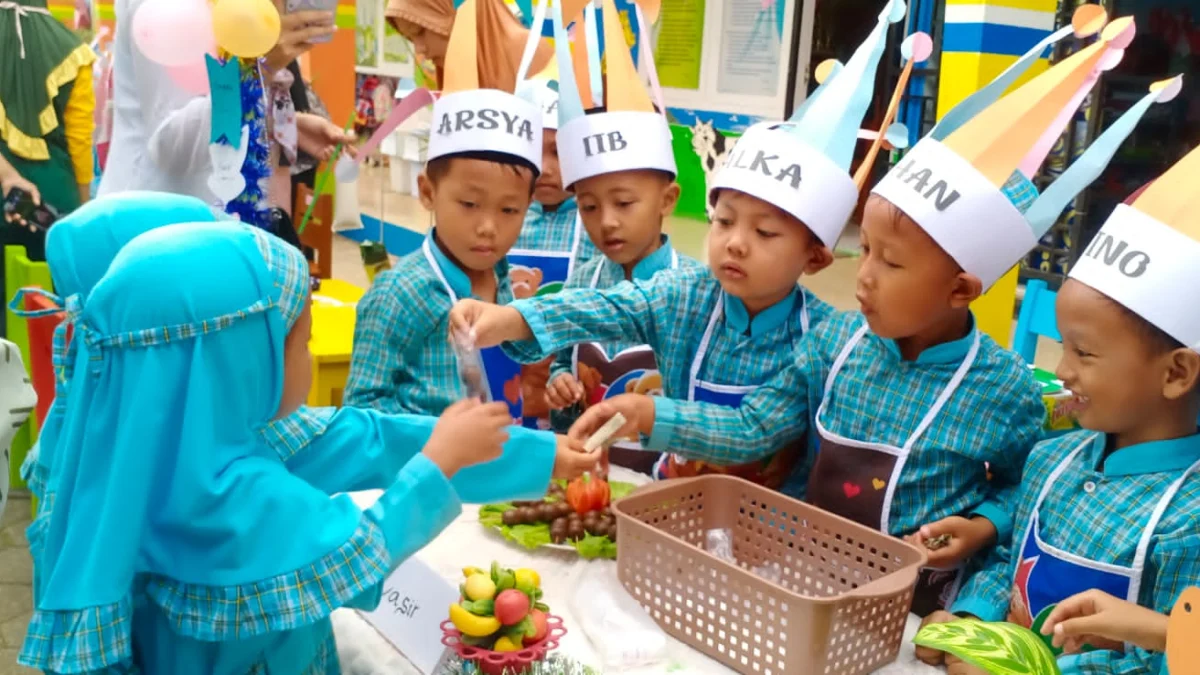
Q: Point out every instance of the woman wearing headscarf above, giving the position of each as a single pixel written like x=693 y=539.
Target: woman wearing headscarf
x=427 y=23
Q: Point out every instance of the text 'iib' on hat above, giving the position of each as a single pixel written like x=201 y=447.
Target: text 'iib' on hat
x=472 y=115
x=960 y=183
x=606 y=120
x=802 y=165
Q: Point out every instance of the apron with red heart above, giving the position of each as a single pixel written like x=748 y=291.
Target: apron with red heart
x=553 y=268
x=858 y=479
x=503 y=374
x=770 y=471
x=634 y=370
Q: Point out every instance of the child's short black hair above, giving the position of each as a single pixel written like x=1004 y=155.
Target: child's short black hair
x=437 y=168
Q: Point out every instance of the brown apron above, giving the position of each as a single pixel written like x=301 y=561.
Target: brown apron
x=771 y=471
x=857 y=480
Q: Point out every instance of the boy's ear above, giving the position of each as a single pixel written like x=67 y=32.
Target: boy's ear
x=967 y=288
x=819 y=258
x=670 y=197
x=1183 y=373
x=425 y=191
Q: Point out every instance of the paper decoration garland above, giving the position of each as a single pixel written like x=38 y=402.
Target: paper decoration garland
x=998 y=648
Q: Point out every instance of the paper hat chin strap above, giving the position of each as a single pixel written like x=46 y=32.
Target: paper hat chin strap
x=1147 y=266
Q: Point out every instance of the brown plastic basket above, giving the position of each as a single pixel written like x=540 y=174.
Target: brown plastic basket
x=841 y=605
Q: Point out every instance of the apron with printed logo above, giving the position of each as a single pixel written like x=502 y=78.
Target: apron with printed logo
x=770 y=471
x=632 y=371
x=858 y=479
x=535 y=273
x=1046 y=575
x=503 y=374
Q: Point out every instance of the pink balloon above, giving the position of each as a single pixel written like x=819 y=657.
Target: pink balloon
x=173 y=32
x=192 y=77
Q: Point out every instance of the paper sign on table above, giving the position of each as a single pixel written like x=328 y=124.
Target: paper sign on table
x=410 y=615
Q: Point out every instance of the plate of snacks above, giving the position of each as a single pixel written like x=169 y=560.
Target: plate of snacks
x=572 y=516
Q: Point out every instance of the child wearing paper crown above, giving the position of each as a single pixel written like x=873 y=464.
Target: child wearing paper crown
x=129 y=578
x=551 y=245
x=1113 y=508
x=908 y=400
x=485 y=154
x=725 y=330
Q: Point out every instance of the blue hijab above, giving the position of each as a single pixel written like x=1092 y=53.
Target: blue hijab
x=79 y=249
x=162 y=478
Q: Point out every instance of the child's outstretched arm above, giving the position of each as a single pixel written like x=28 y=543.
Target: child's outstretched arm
x=388 y=327
x=351 y=449
x=537 y=328
x=774 y=414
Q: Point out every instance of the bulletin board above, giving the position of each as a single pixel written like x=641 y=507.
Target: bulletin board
x=379 y=49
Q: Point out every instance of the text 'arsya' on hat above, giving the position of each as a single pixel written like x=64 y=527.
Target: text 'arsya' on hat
x=955 y=182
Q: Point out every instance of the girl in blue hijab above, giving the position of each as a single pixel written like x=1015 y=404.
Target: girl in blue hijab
x=179 y=541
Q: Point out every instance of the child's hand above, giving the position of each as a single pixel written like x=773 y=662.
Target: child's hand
x=929 y=655
x=467 y=433
x=571 y=461
x=563 y=392
x=956 y=666
x=1102 y=621
x=638 y=410
x=966 y=538
x=488 y=324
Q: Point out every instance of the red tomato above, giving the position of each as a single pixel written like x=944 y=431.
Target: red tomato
x=587 y=494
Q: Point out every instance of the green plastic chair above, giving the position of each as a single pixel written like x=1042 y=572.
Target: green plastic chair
x=19 y=272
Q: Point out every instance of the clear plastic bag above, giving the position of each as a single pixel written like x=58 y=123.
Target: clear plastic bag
x=720 y=544
x=470 y=367
x=622 y=633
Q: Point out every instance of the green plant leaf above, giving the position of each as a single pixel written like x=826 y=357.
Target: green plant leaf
x=492 y=515
x=618 y=489
x=542 y=606
x=591 y=547
x=483 y=607
x=999 y=648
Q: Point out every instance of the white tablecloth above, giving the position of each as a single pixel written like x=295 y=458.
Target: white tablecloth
x=364 y=651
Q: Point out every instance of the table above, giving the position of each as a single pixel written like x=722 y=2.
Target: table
x=333 y=310
x=364 y=651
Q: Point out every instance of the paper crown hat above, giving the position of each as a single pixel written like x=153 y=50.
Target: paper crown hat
x=1147 y=254
x=475 y=116
x=802 y=165
x=950 y=182
x=629 y=134
x=545 y=86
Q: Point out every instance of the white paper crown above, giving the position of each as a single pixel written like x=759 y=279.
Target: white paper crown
x=469 y=119
x=951 y=182
x=803 y=165
x=1147 y=256
x=629 y=134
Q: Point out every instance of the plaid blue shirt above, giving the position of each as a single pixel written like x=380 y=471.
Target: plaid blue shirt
x=1103 y=524
x=670 y=313
x=995 y=416
x=553 y=231
x=403 y=360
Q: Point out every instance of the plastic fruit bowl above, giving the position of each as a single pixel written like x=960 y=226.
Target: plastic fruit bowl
x=504 y=663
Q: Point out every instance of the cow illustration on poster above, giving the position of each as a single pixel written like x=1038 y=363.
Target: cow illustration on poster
x=710 y=147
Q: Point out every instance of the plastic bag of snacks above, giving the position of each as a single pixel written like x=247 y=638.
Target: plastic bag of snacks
x=622 y=633
x=470 y=367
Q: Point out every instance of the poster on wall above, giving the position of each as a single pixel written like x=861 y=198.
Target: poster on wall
x=366 y=34
x=751 y=46
x=679 y=43
x=396 y=49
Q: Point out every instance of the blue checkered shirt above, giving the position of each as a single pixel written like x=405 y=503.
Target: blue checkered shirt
x=670 y=313
x=553 y=231
x=995 y=416
x=1102 y=524
x=402 y=360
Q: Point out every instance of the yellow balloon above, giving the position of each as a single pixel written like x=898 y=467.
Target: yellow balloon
x=245 y=28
